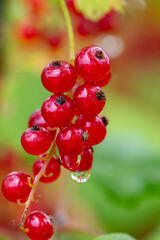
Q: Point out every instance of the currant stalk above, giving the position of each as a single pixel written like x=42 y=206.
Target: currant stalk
x=70 y=29
x=35 y=184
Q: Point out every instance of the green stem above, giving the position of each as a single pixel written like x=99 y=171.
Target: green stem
x=70 y=28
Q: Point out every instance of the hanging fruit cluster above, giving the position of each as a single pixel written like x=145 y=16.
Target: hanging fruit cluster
x=68 y=125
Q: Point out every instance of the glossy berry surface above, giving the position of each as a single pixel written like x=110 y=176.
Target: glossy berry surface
x=77 y=84
x=15 y=187
x=37 y=119
x=58 y=77
x=69 y=162
x=58 y=110
x=36 y=140
x=89 y=99
x=92 y=64
x=53 y=168
x=39 y=226
x=96 y=128
x=86 y=160
x=71 y=140
x=105 y=81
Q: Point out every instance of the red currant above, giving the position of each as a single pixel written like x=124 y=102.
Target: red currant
x=111 y=21
x=86 y=160
x=77 y=84
x=39 y=226
x=53 y=168
x=105 y=81
x=92 y=64
x=28 y=31
x=58 y=110
x=69 y=162
x=89 y=99
x=37 y=119
x=54 y=40
x=71 y=5
x=15 y=187
x=95 y=126
x=37 y=8
x=36 y=140
x=58 y=77
x=70 y=140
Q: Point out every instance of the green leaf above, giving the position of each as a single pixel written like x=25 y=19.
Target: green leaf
x=96 y=9
x=73 y=236
x=115 y=236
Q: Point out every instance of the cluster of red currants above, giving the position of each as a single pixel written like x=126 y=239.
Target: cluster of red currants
x=70 y=120
x=110 y=22
x=34 y=29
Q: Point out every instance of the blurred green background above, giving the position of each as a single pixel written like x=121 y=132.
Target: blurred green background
x=123 y=193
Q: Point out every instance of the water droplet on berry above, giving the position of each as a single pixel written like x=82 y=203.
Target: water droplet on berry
x=81 y=177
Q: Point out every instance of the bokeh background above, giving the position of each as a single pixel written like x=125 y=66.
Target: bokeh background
x=123 y=193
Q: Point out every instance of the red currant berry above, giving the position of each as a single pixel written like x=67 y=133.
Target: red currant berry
x=58 y=110
x=89 y=99
x=111 y=21
x=70 y=162
x=58 y=77
x=27 y=31
x=77 y=84
x=52 y=169
x=71 y=5
x=36 y=140
x=92 y=64
x=15 y=187
x=54 y=40
x=70 y=140
x=39 y=226
x=37 y=119
x=105 y=81
x=95 y=126
x=86 y=160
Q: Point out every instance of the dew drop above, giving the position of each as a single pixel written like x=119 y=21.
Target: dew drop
x=81 y=177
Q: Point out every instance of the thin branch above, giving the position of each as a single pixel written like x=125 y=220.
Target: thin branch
x=35 y=183
x=70 y=29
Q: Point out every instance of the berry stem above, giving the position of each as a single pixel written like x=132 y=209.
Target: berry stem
x=70 y=29
x=35 y=183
